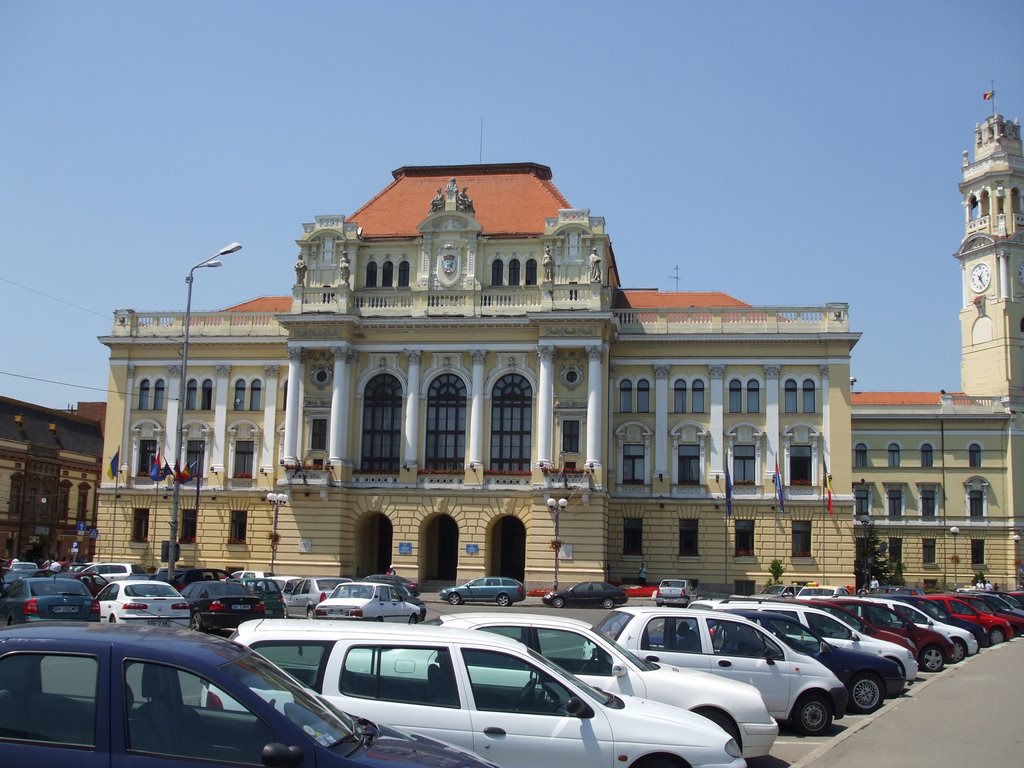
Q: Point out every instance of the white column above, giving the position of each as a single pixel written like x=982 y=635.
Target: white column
x=545 y=403
x=715 y=394
x=220 y=418
x=293 y=406
x=412 y=410
x=826 y=423
x=129 y=394
x=340 y=392
x=771 y=419
x=595 y=385
x=173 y=393
x=267 y=457
x=476 y=409
x=661 y=420
x=1003 y=267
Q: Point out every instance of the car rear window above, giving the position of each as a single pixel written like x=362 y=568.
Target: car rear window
x=54 y=587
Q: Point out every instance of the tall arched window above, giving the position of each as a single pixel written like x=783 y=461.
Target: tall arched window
x=735 y=396
x=191 y=389
x=256 y=395
x=446 y=423
x=206 y=401
x=511 y=424
x=159 y=402
x=497 y=273
x=894 y=455
x=809 y=404
x=789 y=400
x=679 y=397
x=974 y=455
x=753 y=397
x=927 y=458
x=860 y=455
x=382 y=424
x=403 y=274
x=697 y=400
x=371 y=274
x=643 y=396
x=513 y=272
x=531 y=272
x=973 y=207
x=239 y=402
x=626 y=396
x=144 y=395
x=387 y=275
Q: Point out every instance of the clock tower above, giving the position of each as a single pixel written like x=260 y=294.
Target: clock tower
x=991 y=260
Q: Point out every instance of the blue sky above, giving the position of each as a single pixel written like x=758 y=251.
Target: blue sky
x=787 y=153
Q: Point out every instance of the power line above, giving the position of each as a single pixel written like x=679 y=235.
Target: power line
x=59 y=383
x=54 y=298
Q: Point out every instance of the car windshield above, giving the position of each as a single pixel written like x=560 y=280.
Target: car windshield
x=997 y=601
x=352 y=592
x=327 y=725
x=612 y=625
x=849 y=617
x=601 y=697
x=1013 y=601
x=151 y=589
x=933 y=609
x=261 y=585
x=790 y=632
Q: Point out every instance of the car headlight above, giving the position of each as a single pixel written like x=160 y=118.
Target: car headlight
x=910 y=654
x=733 y=749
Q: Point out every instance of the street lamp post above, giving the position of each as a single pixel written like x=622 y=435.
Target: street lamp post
x=276 y=499
x=865 y=521
x=1016 y=560
x=954 y=531
x=179 y=429
x=556 y=544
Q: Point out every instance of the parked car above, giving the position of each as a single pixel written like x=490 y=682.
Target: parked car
x=778 y=590
x=821 y=590
x=412 y=599
x=486 y=693
x=674 y=592
x=143 y=601
x=93 y=581
x=269 y=591
x=46 y=598
x=134 y=697
x=393 y=578
x=367 y=601
x=938 y=612
x=893 y=589
x=588 y=594
x=964 y=643
x=183 y=576
x=309 y=593
x=997 y=628
x=286 y=583
x=986 y=602
x=847 y=616
x=489 y=589
x=220 y=605
x=574 y=646
x=115 y=571
x=869 y=679
x=250 y=574
x=795 y=687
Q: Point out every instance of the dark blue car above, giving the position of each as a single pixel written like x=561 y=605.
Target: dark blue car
x=91 y=695
x=938 y=612
x=870 y=679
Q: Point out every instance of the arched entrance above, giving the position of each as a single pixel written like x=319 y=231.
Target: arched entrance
x=439 y=557
x=376 y=545
x=508 y=548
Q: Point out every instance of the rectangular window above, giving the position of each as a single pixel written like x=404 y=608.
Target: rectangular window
x=63 y=690
x=976 y=503
x=743 y=587
x=83 y=503
x=147 y=452
x=689 y=464
x=895 y=550
x=633 y=464
x=977 y=552
x=743 y=464
x=894 y=503
x=187 y=531
x=928 y=551
x=927 y=502
x=632 y=536
x=571 y=436
x=744 y=538
x=194 y=457
x=140 y=524
x=411 y=675
x=862 y=501
x=689 y=539
x=239 y=521
x=800 y=465
x=801 y=538
x=244 y=454
x=318 y=435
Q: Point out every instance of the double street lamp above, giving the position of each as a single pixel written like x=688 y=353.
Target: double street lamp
x=954 y=532
x=557 y=507
x=275 y=499
x=179 y=428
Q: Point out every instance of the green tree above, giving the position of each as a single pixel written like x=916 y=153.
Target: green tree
x=872 y=560
x=776 y=570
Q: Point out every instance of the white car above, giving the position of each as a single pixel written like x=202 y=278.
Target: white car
x=367 y=601
x=571 y=644
x=249 y=574
x=794 y=686
x=832 y=628
x=143 y=601
x=964 y=643
x=485 y=693
x=118 y=571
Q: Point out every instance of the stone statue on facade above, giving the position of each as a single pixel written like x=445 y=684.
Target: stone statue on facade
x=344 y=269
x=463 y=202
x=595 y=266
x=437 y=204
x=300 y=272
x=548 y=264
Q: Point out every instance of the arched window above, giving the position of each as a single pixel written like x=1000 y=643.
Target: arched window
x=626 y=396
x=206 y=401
x=753 y=397
x=679 y=397
x=371 y=274
x=239 y=401
x=789 y=404
x=497 y=273
x=973 y=207
x=894 y=455
x=531 y=272
x=735 y=396
x=860 y=455
x=387 y=275
x=927 y=458
x=513 y=272
x=382 y=424
x=190 y=394
x=643 y=396
x=403 y=274
x=809 y=404
x=511 y=424
x=974 y=455
x=446 y=423
x=159 y=402
x=256 y=395
x=144 y=395
x=697 y=400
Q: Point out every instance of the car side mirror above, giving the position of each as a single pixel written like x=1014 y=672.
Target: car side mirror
x=277 y=755
x=577 y=707
x=824 y=647
x=652 y=657
x=618 y=669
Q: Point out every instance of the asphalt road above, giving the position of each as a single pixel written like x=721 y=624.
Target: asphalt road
x=968 y=714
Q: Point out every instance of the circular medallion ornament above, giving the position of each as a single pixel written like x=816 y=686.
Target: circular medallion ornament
x=320 y=375
x=571 y=376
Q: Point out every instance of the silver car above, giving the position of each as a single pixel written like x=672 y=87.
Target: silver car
x=302 y=601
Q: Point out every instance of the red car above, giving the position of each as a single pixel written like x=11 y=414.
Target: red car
x=995 y=607
x=860 y=624
x=998 y=629
x=93 y=581
x=933 y=649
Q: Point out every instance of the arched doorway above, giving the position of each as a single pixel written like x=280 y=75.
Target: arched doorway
x=508 y=548
x=376 y=545
x=440 y=549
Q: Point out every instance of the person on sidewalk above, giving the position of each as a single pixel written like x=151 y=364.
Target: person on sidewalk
x=642 y=575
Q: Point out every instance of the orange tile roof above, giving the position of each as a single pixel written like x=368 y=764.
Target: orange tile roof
x=509 y=199
x=263 y=304
x=652 y=298
x=896 y=398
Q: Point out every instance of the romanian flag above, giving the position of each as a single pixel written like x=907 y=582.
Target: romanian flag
x=728 y=491
x=115 y=464
x=182 y=475
x=778 y=487
x=828 y=484
x=988 y=95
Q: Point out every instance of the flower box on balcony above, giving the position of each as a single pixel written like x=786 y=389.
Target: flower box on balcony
x=800 y=482
x=236 y=542
x=802 y=553
x=187 y=540
x=243 y=476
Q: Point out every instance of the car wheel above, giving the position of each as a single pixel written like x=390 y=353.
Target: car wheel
x=959 y=650
x=413 y=618
x=310 y=611
x=723 y=721
x=866 y=693
x=931 y=658
x=455 y=598
x=502 y=600
x=658 y=603
x=812 y=715
x=112 y=619
x=996 y=636
x=558 y=602
x=608 y=603
x=196 y=622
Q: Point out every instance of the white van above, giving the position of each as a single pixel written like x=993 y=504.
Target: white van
x=594 y=659
x=485 y=693
x=794 y=686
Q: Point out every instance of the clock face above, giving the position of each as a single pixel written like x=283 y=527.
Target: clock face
x=980 y=277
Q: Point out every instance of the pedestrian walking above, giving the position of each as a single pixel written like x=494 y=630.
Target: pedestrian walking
x=641 y=576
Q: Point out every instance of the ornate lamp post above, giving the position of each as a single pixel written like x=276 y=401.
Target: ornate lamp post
x=277 y=500
x=556 y=543
x=954 y=532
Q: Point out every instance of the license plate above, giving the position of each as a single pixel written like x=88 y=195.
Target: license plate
x=158 y=623
x=64 y=609
x=337 y=612
x=240 y=607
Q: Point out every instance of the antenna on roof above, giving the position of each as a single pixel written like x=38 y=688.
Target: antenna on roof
x=675 y=276
x=481 y=160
